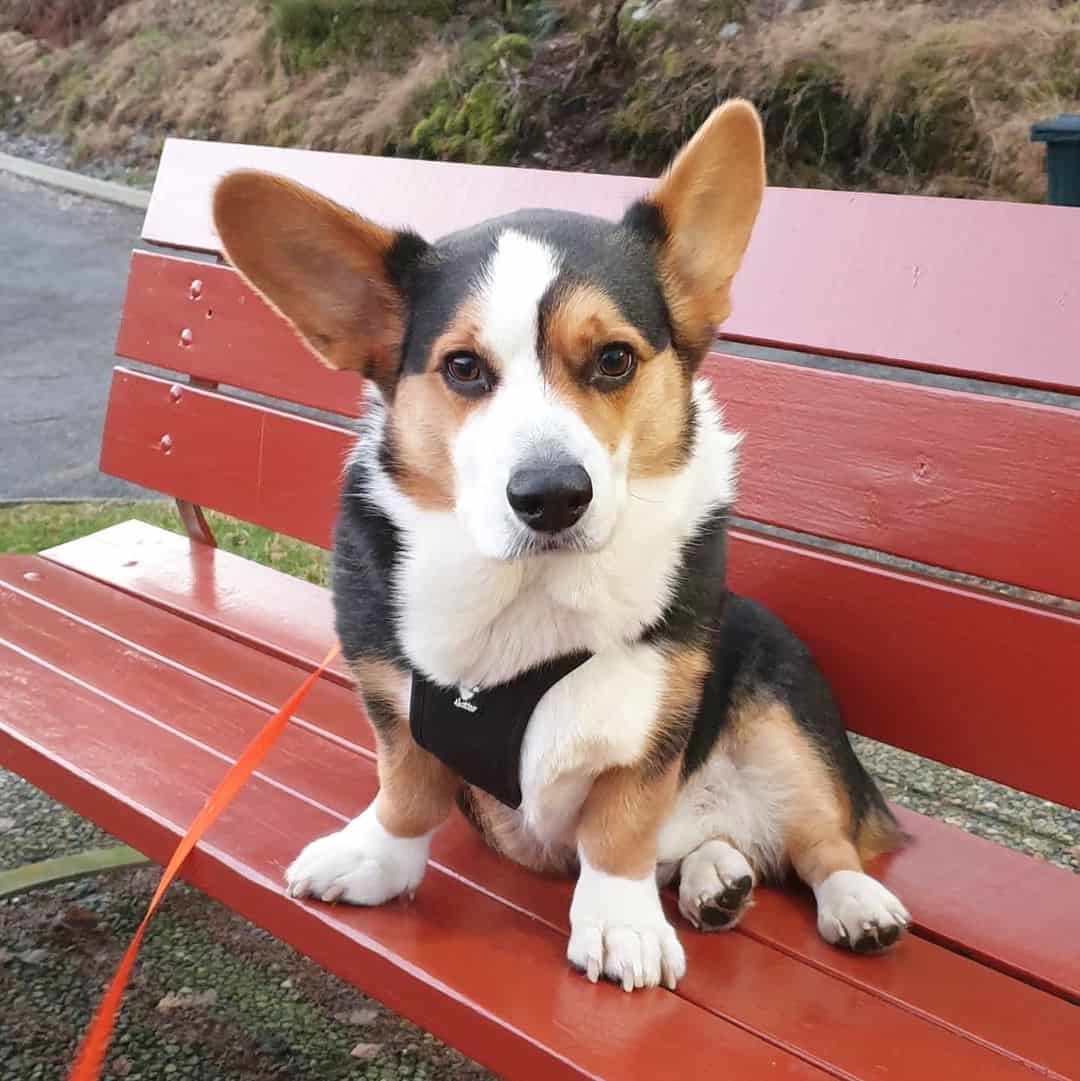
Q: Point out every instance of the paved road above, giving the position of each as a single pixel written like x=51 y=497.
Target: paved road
x=63 y=263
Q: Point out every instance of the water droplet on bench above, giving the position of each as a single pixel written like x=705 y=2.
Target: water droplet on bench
x=31 y=576
x=196 y=289
x=185 y=337
x=176 y=392
x=166 y=443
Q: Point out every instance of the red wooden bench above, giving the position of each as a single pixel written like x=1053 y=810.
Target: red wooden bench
x=134 y=663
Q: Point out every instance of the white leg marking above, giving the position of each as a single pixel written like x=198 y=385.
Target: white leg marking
x=618 y=930
x=361 y=864
x=857 y=911
x=715 y=886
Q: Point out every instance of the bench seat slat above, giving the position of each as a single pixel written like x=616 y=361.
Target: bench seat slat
x=1026 y=909
x=936 y=694
x=956 y=480
x=735 y=974
x=453 y=962
x=963 y=286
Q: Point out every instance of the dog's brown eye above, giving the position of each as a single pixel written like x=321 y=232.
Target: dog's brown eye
x=616 y=361
x=466 y=371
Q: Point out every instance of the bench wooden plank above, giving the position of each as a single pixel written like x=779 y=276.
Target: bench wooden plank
x=734 y=979
x=452 y=962
x=957 y=480
x=972 y=483
x=975 y=681
x=249 y=461
x=235 y=338
x=943 y=643
x=1026 y=909
x=962 y=286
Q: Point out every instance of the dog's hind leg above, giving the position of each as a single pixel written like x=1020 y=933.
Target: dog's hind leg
x=716 y=884
x=854 y=910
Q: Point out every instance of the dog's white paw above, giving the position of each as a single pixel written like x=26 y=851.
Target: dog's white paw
x=857 y=911
x=361 y=864
x=618 y=930
x=715 y=886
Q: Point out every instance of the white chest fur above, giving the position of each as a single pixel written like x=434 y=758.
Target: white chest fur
x=598 y=717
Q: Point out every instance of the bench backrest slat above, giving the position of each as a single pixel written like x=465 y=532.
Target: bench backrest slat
x=966 y=287
x=222 y=332
x=257 y=464
x=971 y=680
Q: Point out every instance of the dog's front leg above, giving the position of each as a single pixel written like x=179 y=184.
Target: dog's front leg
x=383 y=853
x=617 y=926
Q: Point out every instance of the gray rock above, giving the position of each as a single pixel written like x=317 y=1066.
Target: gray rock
x=730 y=31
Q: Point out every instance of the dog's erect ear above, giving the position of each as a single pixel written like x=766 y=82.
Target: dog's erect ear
x=708 y=200
x=330 y=272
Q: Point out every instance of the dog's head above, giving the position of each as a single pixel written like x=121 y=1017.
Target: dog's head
x=532 y=367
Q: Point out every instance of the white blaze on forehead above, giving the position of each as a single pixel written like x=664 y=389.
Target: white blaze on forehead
x=514 y=281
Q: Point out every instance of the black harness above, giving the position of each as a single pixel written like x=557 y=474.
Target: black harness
x=479 y=733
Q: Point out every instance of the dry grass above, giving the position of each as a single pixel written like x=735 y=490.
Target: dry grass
x=159 y=67
x=942 y=103
x=933 y=97
x=899 y=96
x=58 y=22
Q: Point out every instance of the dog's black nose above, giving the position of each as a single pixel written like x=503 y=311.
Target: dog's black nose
x=549 y=498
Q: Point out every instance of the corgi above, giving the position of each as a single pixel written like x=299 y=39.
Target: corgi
x=528 y=565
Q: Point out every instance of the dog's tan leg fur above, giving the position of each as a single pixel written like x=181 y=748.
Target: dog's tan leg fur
x=416 y=791
x=621 y=818
x=817 y=816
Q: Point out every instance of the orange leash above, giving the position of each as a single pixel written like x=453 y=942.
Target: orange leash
x=95 y=1043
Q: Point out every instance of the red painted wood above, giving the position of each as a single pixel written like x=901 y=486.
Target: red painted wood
x=977 y=484
x=234 y=338
x=962 y=286
x=974 y=681
x=280 y=615
x=911 y=661
x=452 y=961
x=995 y=903
x=254 y=463
x=848 y=1036
x=973 y=483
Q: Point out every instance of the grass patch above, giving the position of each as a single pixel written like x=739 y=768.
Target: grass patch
x=313 y=34
x=30 y=527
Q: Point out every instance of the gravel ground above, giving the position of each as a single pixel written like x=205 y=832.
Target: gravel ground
x=213 y=998
x=55 y=151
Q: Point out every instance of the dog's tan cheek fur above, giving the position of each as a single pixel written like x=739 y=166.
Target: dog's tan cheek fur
x=621 y=819
x=424 y=419
x=656 y=416
x=650 y=411
x=416 y=791
x=818 y=829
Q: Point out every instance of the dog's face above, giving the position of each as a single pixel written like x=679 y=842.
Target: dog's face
x=534 y=366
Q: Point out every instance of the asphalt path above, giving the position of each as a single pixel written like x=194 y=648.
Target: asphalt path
x=63 y=264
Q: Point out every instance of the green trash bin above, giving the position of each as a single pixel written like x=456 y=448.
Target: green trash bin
x=1062 y=137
